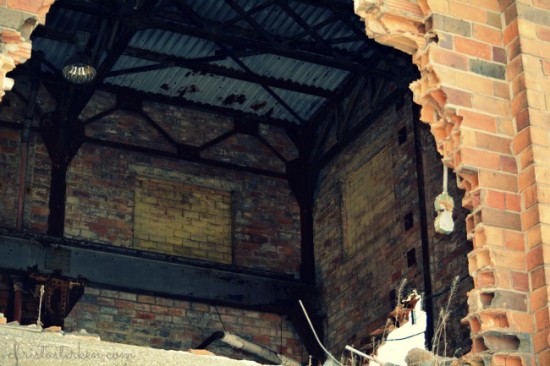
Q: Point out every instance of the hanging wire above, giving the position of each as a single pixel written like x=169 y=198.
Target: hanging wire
x=39 y=320
x=316 y=336
x=445 y=178
x=220 y=317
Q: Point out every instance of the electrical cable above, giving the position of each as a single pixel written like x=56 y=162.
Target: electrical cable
x=316 y=337
x=447 y=289
x=407 y=337
x=220 y=317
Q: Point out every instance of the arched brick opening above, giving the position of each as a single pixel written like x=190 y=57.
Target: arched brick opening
x=485 y=92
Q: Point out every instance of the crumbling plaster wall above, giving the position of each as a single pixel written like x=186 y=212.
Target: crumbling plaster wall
x=484 y=91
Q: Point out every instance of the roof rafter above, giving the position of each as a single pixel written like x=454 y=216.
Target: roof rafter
x=180 y=102
x=314 y=55
x=248 y=13
x=197 y=20
x=173 y=61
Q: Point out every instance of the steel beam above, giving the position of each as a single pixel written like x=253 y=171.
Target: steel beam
x=179 y=102
x=144 y=272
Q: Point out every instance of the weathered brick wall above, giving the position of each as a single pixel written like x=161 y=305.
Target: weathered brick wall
x=357 y=272
x=527 y=39
x=448 y=253
x=37 y=182
x=367 y=233
x=482 y=89
x=175 y=324
x=262 y=230
x=9 y=161
x=190 y=221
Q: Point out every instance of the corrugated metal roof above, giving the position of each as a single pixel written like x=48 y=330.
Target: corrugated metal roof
x=175 y=44
x=221 y=90
x=288 y=69
x=56 y=52
x=71 y=21
x=273 y=19
x=217 y=91
x=170 y=43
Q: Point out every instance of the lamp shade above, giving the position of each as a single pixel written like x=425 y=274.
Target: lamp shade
x=79 y=70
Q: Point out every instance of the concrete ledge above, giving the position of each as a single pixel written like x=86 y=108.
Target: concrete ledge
x=30 y=345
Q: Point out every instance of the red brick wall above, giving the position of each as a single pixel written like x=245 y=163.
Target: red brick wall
x=101 y=187
x=101 y=182
x=356 y=284
x=483 y=90
x=175 y=324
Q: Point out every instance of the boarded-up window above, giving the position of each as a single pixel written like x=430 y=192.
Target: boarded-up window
x=183 y=220
x=368 y=201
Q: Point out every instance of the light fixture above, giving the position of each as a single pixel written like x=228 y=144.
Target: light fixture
x=79 y=68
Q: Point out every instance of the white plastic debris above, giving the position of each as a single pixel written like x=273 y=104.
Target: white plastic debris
x=401 y=340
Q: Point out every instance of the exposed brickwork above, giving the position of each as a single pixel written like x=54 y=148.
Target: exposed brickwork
x=365 y=241
x=190 y=221
x=36 y=189
x=102 y=185
x=173 y=324
x=448 y=253
x=101 y=198
x=36 y=206
x=9 y=160
x=482 y=91
x=362 y=209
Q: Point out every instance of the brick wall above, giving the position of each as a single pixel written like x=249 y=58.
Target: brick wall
x=37 y=182
x=257 y=222
x=448 y=253
x=367 y=232
x=482 y=89
x=262 y=231
x=175 y=324
x=190 y=221
x=526 y=38
x=9 y=160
